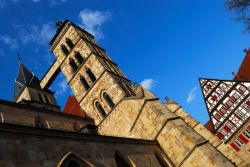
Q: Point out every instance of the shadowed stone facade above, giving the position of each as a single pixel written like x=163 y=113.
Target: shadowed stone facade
x=126 y=125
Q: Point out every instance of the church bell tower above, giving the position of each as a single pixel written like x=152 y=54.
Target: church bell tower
x=96 y=81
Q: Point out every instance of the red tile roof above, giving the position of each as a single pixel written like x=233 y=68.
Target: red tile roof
x=72 y=107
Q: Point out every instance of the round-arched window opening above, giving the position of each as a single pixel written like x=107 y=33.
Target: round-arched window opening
x=73 y=163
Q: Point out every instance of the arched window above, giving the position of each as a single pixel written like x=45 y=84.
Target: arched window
x=122 y=161
x=73 y=160
x=46 y=99
x=161 y=160
x=39 y=122
x=79 y=57
x=41 y=98
x=125 y=90
x=73 y=65
x=91 y=75
x=69 y=43
x=108 y=100
x=84 y=82
x=100 y=109
x=65 y=50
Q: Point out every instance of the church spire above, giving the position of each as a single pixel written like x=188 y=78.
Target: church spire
x=24 y=78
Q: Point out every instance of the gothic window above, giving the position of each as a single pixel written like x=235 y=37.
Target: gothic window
x=79 y=57
x=84 y=82
x=65 y=50
x=73 y=160
x=41 y=98
x=161 y=160
x=39 y=122
x=69 y=43
x=100 y=109
x=73 y=65
x=91 y=75
x=122 y=161
x=46 y=99
x=108 y=100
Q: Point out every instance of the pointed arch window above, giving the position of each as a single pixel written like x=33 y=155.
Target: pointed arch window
x=73 y=160
x=69 y=43
x=91 y=75
x=64 y=50
x=100 y=109
x=84 y=82
x=108 y=100
x=79 y=57
x=73 y=65
x=121 y=160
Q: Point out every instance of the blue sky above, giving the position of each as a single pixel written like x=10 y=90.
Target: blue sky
x=164 y=44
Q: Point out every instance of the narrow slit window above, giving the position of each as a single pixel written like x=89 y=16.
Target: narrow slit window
x=100 y=109
x=91 y=75
x=73 y=65
x=69 y=43
x=41 y=98
x=46 y=99
x=84 y=82
x=108 y=100
x=65 y=50
x=79 y=57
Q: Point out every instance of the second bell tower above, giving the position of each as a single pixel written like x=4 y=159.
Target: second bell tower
x=96 y=81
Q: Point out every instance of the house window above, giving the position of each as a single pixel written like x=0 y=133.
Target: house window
x=79 y=57
x=64 y=50
x=108 y=100
x=73 y=65
x=246 y=133
x=236 y=96
x=239 y=143
x=100 y=109
x=69 y=43
x=242 y=89
x=91 y=75
x=84 y=82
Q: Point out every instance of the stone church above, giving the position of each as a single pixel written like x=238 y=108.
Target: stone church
x=125 y=126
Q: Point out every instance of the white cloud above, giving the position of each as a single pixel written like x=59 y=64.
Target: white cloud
x=191 y=95
x=37 y=34
x=62 y=87
x=148 y=83
x=93 y=20
x=8 y=40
